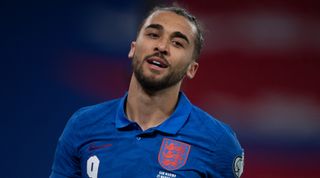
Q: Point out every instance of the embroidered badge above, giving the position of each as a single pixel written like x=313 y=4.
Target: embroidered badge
x=238 y=165
x=173 y=154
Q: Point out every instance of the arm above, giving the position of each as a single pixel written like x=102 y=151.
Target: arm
x=66 y=160
x=228 y=157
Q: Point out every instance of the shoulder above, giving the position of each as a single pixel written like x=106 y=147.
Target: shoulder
x=98 y=110
x=208 y=123
x=89 y=120
x=94 y=114
x=226 y=154
x=217 y=132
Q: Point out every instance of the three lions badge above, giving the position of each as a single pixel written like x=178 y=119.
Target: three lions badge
x=173 y=154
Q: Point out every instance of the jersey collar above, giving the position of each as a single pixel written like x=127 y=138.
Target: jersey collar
x=171 y=126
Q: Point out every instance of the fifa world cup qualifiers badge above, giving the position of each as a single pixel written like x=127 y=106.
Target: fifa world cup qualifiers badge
x=238 y=164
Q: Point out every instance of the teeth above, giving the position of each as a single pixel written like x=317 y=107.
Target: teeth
x=156 y=62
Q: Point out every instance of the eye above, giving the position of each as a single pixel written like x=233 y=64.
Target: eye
x=177 y=44
x=152 y=35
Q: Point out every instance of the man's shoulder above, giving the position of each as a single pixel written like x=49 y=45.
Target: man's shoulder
x=100 y=107
x=93 y=113
x=222 y=148
x=210 y=126
x=207 y=119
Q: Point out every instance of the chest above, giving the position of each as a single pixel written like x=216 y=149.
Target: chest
x=134 y=156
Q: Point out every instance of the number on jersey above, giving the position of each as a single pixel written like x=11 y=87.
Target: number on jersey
x=93 y=166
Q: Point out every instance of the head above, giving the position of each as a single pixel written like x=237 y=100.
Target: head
x=182 y=12
x=166 y=49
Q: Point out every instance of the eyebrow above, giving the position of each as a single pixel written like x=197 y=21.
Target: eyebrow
x=180 y=35
x=156 y=26
x=173 y=35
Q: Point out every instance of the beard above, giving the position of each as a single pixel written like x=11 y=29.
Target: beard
x=151 y=85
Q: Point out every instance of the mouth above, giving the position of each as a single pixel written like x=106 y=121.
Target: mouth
x=157 y=62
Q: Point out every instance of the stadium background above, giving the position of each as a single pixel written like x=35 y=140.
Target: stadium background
x=259 y=73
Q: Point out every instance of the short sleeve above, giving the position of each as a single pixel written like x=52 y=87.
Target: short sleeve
x=228 y=157
x=66 y=160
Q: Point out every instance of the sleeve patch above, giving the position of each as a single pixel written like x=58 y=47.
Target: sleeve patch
x=238 y=164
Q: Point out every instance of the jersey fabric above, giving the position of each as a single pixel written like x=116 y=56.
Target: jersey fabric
x=100 y=141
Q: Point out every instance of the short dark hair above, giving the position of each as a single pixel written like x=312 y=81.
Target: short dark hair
x=183 y=12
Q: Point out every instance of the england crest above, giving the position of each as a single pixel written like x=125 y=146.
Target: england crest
x=173 y=154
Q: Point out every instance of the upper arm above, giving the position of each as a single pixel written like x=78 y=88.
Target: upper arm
x=66 y=160
x=228 y=156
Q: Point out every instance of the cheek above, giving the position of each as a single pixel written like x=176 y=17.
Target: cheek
x=184 y=58
x=186 y=54
x=181 y=66
x=141 y=51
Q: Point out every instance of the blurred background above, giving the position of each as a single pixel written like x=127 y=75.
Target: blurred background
x=259 y=72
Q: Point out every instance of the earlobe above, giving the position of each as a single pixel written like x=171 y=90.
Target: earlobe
x=192 y=70
x=132 y=50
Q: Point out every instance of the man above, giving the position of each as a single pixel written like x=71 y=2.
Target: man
x=153 y=131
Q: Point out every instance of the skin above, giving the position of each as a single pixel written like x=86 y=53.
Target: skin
x=169 y=38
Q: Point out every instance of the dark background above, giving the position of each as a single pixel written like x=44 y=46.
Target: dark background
x=259 y=72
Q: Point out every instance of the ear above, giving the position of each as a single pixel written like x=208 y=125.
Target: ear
x=192 y=70
x=132 y=50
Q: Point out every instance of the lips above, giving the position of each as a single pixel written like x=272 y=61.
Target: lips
x=157 y=62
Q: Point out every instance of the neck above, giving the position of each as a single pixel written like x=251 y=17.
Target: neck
x=150 y=109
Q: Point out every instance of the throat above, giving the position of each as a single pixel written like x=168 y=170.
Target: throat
x=149 y=110
x=146 y=117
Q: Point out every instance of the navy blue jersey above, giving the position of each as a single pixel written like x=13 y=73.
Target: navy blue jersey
x=100 y=141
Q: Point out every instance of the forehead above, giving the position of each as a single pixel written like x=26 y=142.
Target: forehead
x=172 y=22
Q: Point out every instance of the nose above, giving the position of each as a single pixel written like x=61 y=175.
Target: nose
x=162 y=46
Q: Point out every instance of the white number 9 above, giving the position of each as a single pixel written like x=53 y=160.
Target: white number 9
x=93 y=166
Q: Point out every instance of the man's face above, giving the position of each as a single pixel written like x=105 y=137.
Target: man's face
x=162 y=54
